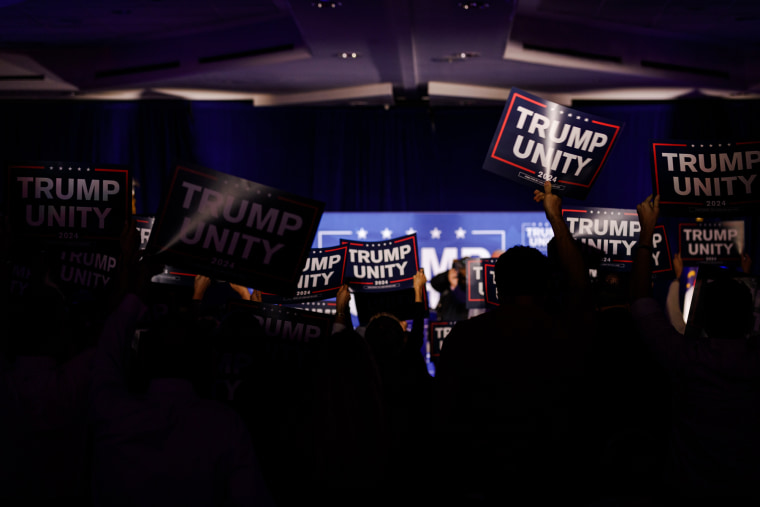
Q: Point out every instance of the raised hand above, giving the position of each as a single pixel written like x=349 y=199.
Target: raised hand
x=552 y=202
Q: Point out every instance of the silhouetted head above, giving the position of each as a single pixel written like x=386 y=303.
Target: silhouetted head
x=727 y=305
x=239 y=328
x=40 y=323
x=385 y=335
x=522 y=271
x=611 y=288
x=176 y=346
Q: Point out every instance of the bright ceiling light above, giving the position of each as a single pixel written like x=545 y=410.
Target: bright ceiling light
x=457 y=57
x=473 y=5
x=326 y=5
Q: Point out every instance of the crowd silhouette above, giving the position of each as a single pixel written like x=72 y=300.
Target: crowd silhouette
x=576 y=390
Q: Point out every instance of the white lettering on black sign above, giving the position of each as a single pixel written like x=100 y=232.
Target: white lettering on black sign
x=212 y=204
x=321 y=278
x=88 y=269
x=538 y=141
x=234 y=229
x=707 y=177
x=144 y=225
x=384 y=265
x=69 y=202
x=289 y=324
x=438 y=331
x=711 y=241
x=614 y=233
x=491 y=290
x=476 y=283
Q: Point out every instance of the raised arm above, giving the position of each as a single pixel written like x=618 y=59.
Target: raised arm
x=746 y=262
x=672 y=303
x=569 y=254
x=417 y=334
x=342 y=309
x=641 y=273
x=420 y=286
x=109 y=381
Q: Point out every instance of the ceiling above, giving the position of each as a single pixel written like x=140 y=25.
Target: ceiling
x=285 y=52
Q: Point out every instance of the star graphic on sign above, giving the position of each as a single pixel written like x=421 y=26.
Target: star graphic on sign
x=386 y=233
x=361 y=233
x=460 y=233
x=410 y=231
x=435 y=233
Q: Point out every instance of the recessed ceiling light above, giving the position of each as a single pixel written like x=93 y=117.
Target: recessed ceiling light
x=457 y=57
x=348 y=55
x=326 y=5
x=473 y=5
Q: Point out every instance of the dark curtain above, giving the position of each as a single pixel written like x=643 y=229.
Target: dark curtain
x=413 y=158
x=147 y=137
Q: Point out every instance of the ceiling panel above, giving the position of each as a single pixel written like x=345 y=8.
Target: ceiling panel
x=632 y=48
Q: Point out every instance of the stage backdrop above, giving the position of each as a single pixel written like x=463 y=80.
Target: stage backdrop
x=442 y=238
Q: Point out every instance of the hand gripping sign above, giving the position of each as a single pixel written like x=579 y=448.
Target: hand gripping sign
x=68 y=202
x=537 y=140
x=233 y=229
x=382 y=265
x=700 y=178
x=611 y=234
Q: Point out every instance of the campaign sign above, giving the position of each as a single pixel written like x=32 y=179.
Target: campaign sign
x=86 y=273
x=476 y=282
x=537 y=140
x=18 y=278
x=68 y=202
x=382 y=265
x=286 y=323
x=321 y=278
x=233 y=229
x=289 y=331
x=706 y=178
x=438 y=330
x=22 y=271
x=613 y=233
x=489 y=275
x=721 y=241
x=144 y=225
x=326 y=307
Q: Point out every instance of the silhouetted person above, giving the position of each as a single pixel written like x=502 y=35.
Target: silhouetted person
x=714 y=451
x=344 y=437
x=407 y=389
x=507 y=383
x=167 y=445
x=628 y=402
x=452 y=286
x=43 y=400
x=259 y=377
